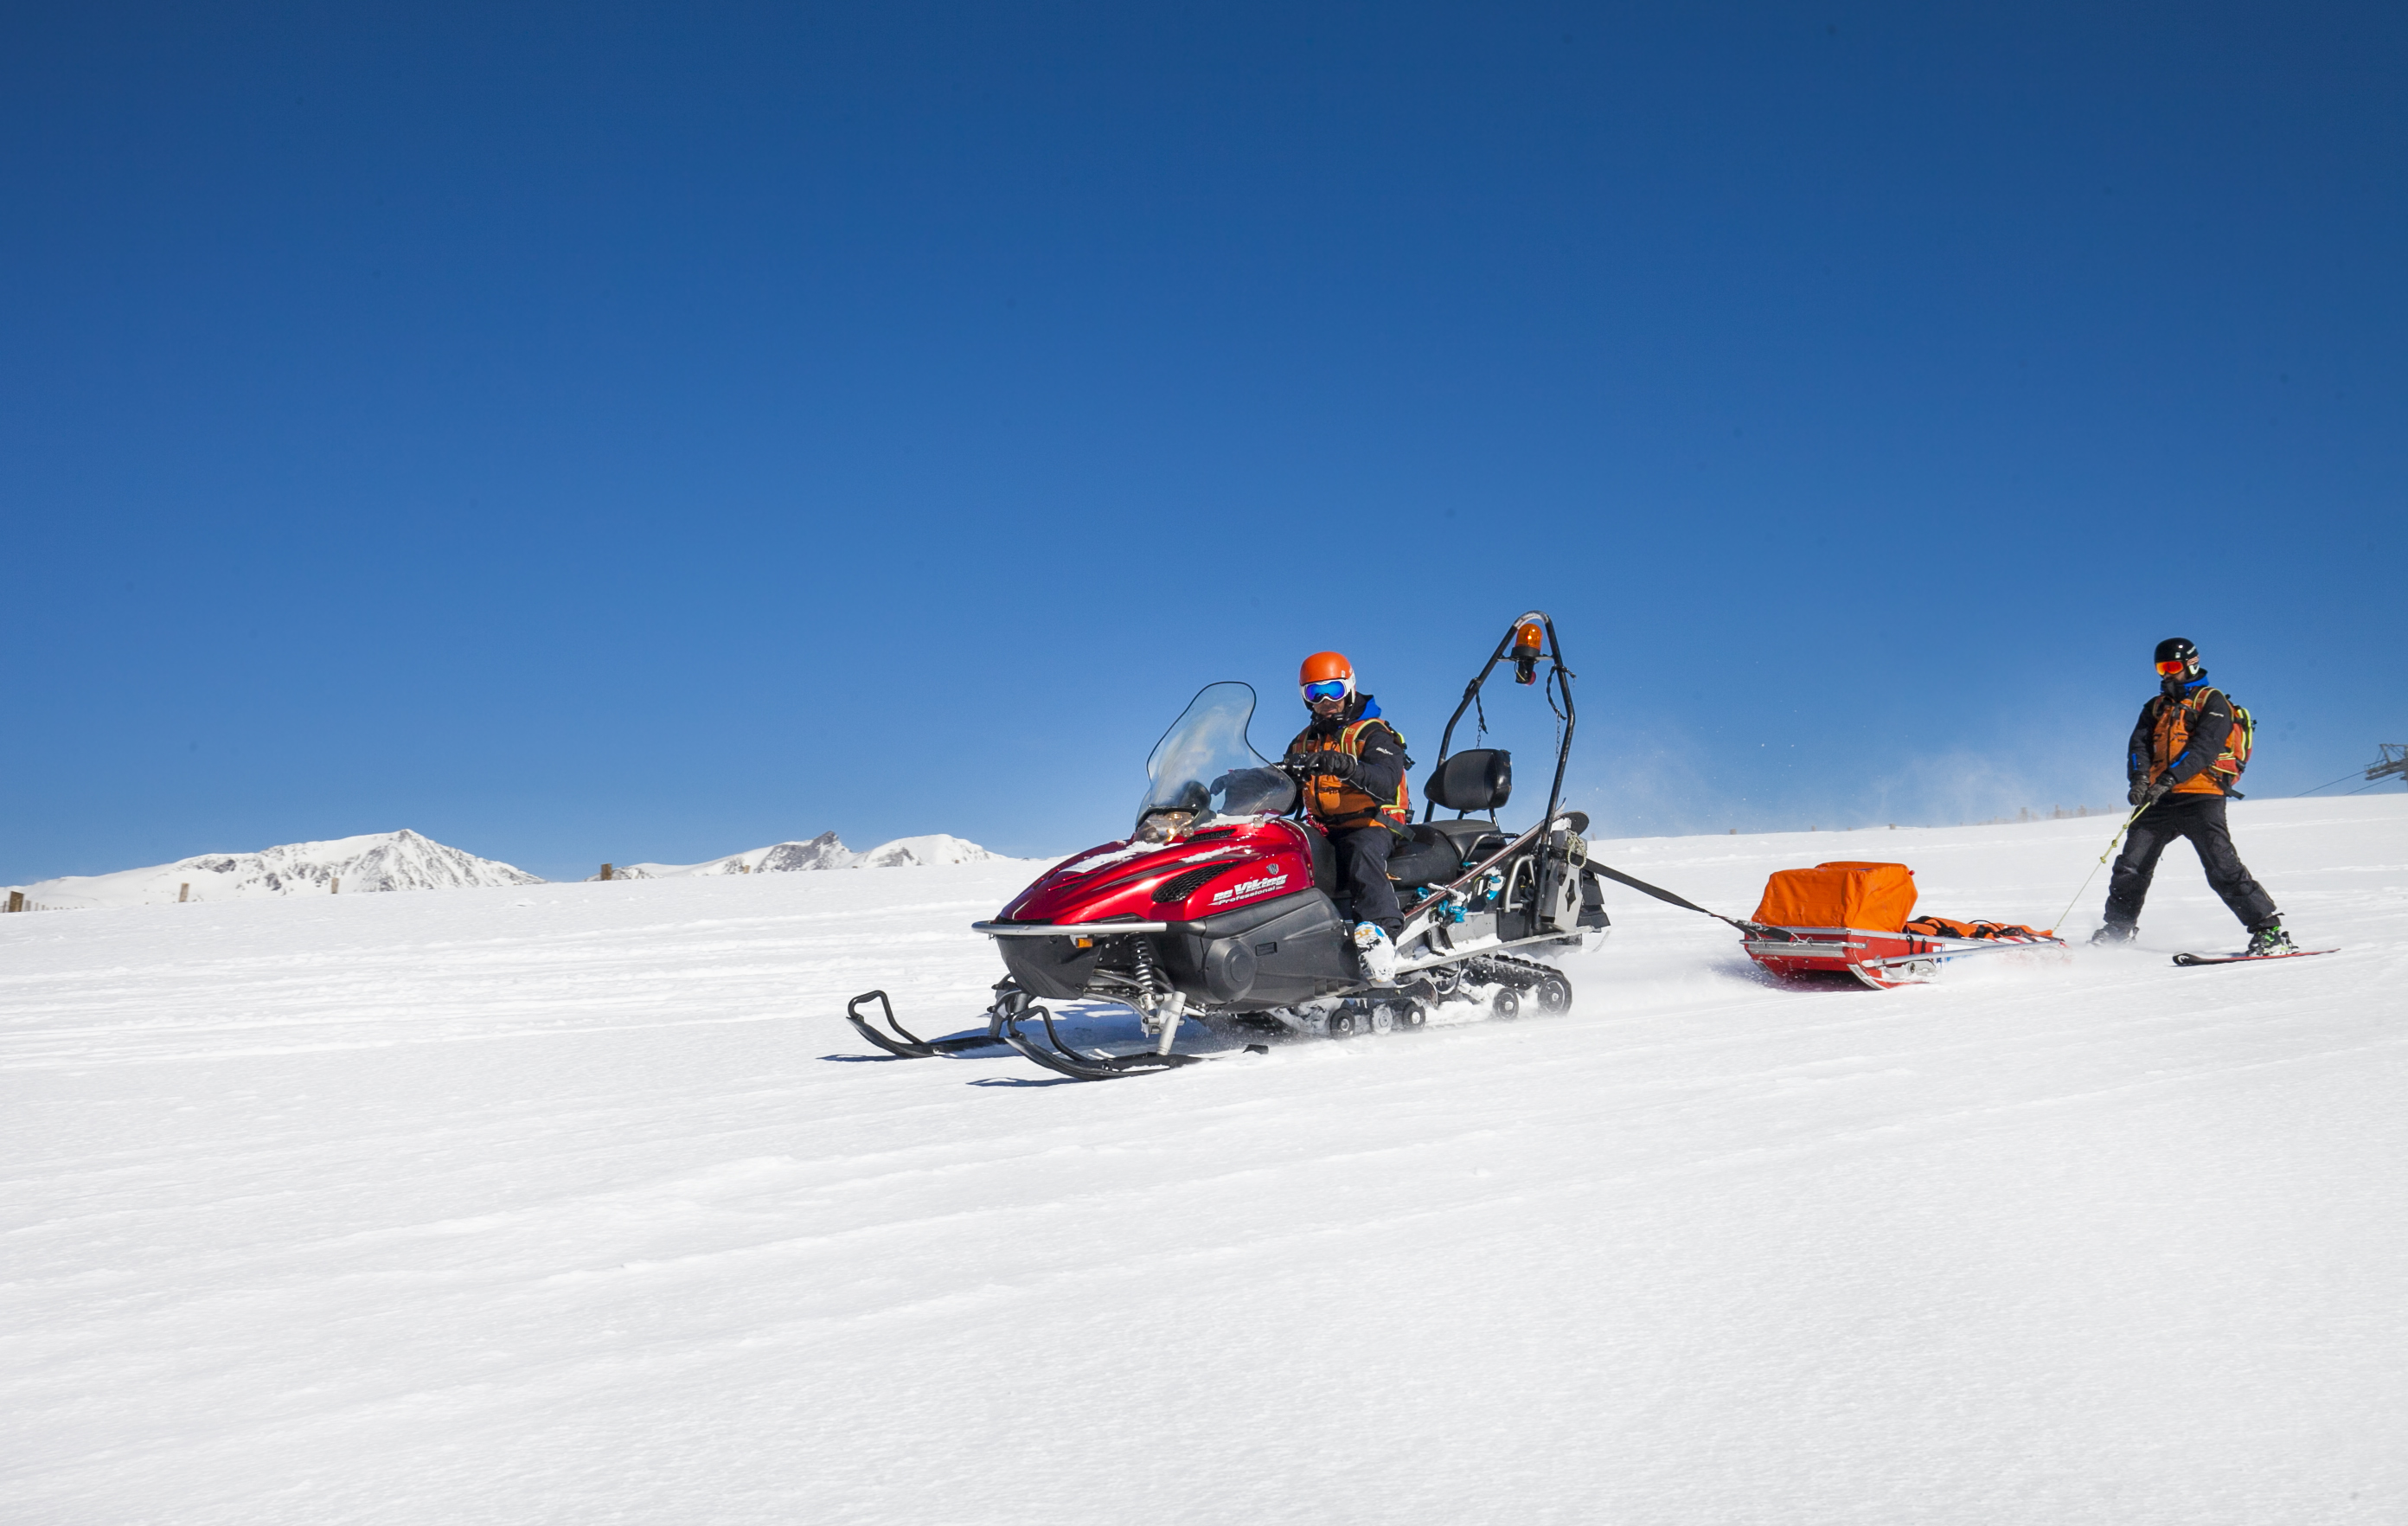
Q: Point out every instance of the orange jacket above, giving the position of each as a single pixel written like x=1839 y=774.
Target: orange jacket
x=2185 y=741
x=1338 y=803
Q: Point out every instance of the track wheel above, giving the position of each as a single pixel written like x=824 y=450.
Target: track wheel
x=1344 y=1024
x=1506 y=1003
x=1554 y=994
x=1383 y=1018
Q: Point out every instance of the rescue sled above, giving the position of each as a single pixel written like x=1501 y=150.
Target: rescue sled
x=1852 y=918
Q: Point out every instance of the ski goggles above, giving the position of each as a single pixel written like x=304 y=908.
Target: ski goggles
x=2172 y=668
x=1331 y=689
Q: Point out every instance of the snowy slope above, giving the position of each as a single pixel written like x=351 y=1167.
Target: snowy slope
x=579 y=1203
x=821 y=851
x=374 y=861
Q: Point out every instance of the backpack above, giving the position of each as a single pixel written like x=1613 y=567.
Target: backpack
x=2237 y=745
x=2225 y=767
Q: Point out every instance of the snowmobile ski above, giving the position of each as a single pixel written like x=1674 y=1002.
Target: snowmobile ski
x=909 y=1045
x=2186 y=960
x=1056 y=1054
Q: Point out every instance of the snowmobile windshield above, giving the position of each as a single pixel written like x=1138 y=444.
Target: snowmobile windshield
x=1205 y=767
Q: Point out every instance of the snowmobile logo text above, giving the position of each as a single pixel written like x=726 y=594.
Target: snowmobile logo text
x=1250 y=887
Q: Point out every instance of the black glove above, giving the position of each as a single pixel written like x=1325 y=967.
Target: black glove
x=1335 y=765
x=2144 y=793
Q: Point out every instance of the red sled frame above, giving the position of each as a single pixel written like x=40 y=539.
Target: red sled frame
x=1880 y=960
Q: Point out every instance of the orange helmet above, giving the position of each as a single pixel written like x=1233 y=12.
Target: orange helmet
x=1321 y=671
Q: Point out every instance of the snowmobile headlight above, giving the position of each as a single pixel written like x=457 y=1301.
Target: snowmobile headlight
x=1163 y=826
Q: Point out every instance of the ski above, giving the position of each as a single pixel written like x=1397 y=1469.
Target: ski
x=909 y=1045
x=2186 y=960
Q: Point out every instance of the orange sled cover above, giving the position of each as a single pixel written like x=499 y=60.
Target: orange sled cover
x=1872 y=898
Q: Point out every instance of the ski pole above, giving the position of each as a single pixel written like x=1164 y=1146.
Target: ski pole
x=2104 y=858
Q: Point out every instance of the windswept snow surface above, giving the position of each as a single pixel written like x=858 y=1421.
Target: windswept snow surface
x=580 y=1204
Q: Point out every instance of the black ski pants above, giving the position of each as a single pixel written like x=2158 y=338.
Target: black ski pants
x=1363 y=875
x=2201 y=819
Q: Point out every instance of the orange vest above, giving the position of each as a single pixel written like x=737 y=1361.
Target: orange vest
x=1336 y=802
x=2172 y=734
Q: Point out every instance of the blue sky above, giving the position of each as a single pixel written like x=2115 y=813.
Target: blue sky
x=644 y=432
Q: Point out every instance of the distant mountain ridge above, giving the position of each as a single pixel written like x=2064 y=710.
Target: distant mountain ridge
x=408 y=861
x=370 y=863
x=826 y=850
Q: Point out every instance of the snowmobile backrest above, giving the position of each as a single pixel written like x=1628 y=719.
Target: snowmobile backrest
x=1479 y=780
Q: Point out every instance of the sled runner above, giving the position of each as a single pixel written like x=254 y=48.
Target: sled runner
x=1218 y=909
x=1851 y=918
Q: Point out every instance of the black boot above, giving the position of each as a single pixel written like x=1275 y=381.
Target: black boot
x=2267 y=937
x=2111 y=933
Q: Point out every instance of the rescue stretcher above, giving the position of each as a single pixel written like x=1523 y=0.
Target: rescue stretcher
x=1852 y=918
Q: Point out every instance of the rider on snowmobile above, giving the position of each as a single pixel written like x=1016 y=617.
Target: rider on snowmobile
x=1352 y=766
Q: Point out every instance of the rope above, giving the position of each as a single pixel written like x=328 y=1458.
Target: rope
x=2102 y=858
x=2329 y=783
x=1753 y=928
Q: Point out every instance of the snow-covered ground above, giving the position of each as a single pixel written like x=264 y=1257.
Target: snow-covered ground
x=579 y=1202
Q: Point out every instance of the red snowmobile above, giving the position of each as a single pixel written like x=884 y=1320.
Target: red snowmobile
x=1217 y=908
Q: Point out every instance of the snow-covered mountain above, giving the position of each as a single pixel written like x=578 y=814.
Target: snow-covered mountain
x=935 y=848
x=402 y=860
x=821 y=851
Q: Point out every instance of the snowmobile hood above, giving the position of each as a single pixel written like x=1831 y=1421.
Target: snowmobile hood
x=1222 y=867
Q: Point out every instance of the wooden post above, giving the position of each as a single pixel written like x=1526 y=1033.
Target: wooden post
x=16 y=900
x=334 y=886
x=606 y=872
x=183 y=892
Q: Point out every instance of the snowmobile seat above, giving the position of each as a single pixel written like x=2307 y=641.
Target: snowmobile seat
x=1441 y=850
x=1471 y=837
x=1479 y=780
x=1425 y=861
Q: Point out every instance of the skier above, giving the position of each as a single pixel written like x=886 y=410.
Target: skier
x=1352 y=766
x=2180 y=765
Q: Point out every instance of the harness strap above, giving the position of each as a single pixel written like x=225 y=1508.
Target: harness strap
x=1781 y=935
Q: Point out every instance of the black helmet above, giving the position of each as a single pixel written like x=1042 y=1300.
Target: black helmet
x=2178 y=662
